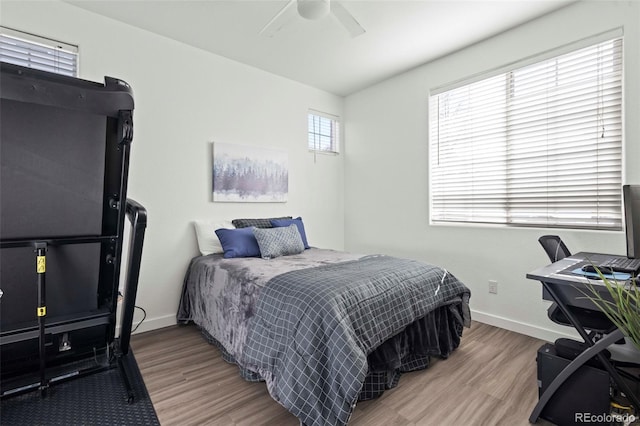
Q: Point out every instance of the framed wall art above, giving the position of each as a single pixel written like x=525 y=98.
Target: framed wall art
x=243 y=173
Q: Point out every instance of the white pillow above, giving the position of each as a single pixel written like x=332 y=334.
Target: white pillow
x=208 y=241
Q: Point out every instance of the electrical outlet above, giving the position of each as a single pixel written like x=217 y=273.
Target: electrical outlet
x=493 y=286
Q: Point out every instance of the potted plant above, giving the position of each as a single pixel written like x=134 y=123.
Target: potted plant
x=623 y=306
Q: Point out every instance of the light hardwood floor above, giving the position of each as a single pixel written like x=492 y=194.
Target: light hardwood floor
x=489 y=380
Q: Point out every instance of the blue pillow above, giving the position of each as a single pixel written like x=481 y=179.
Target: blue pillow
x=238 y=242
x=277 y=223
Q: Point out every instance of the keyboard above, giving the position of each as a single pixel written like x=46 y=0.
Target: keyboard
x=622 y=264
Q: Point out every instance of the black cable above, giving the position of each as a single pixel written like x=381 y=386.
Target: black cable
x=144 y=315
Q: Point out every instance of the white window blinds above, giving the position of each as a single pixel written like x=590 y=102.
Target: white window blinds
x=539 y=145
x=37 y=52
x=324 y=132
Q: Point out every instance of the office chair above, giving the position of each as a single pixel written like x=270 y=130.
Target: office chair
x=554 y=247
x=594 y=320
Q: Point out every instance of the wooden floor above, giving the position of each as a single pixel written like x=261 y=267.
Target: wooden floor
x=489 y=380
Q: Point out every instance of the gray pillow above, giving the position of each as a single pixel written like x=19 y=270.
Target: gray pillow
x=274 y=242
x=258 y=223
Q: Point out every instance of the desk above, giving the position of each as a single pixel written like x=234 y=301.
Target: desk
x=568 y=289
x=572 y=285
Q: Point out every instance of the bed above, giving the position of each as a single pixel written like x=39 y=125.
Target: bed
x=324 y=328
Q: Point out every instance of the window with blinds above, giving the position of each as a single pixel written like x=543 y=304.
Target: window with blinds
x=540 y=145
x=324 y=132
x=38 y=52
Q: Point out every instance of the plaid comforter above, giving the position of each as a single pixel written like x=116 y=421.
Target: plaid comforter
x=313 y=328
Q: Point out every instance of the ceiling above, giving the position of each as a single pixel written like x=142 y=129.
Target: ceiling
x=399 y=34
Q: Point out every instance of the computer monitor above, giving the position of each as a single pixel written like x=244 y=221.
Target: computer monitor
x=631 y=197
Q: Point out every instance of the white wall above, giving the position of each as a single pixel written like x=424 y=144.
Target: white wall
x=386 y=169
x=185 y=99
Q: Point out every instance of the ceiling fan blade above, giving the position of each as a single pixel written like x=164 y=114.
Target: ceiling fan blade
x=286 y=14
x=346 y=19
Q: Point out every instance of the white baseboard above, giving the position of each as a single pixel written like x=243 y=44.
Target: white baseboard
x=154 y=323
x=522 y=328
x=150 y=324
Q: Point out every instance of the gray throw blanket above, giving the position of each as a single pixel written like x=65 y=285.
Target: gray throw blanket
x=313 y=328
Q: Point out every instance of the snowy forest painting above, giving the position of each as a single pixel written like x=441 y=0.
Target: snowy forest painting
x=249 y=174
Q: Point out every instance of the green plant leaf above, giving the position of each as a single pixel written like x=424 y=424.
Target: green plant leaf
x=623 y=307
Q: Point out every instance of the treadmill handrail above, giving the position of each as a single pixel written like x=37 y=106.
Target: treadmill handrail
x=137 y=216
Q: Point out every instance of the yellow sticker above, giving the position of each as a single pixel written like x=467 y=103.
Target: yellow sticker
x=42 y=311
x=41 y=264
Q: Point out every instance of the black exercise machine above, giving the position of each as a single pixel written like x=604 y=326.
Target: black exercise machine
x=64 y=154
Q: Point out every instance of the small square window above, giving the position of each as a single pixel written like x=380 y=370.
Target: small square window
x=324 y=132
